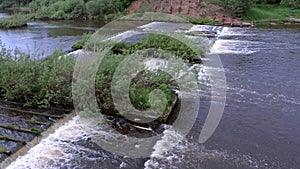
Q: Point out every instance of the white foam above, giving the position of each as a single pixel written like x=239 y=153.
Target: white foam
x=50 y=149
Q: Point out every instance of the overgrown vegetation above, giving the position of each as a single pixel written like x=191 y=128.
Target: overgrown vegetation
x=163 y=42
x=203 y=21
x=47 y=81
x=291 y=3
x=145 y=82
x=80 y=44
x=70 y=9
x=36 y=81
x=249 y=7
x=2 y=149
x=36 y=130
x=271 y=13
x=16 y=20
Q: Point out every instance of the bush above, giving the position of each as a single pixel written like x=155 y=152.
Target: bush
x=239 y=7
x=95 y=8
x=6 y=4
x=144 y=82
x=36 y=81
x=47 y=81
x=163 y=42
x=16 y=20
x=74 y=9
x=80 y=44
x=291 y=3
x=268 y=1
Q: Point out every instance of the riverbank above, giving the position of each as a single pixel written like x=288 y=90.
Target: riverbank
x=214 y=13
x=71 y=9
x=14 y=21
x=267 y=14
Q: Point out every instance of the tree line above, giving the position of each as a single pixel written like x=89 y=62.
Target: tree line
x=95 y=9
x=70 y=9
x=240 y=7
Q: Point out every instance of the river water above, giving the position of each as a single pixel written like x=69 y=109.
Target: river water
x=44 y=37
x=259 y=128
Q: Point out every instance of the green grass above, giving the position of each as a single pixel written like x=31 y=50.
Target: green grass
x=79 y=44
x=204 y=21
x=2 y=149
x=45 y=82
x=268 y=12
x=10 y=127
x=36 y=130
x=16 y=20
x=219 y=2
x=35 y=81
x=162 y=42
x=145 y=82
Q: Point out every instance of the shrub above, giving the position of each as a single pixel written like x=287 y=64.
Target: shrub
x=36 y=81
x=74 y=9
x=16 y=20
x=163 y=42
x=80 y=44
x=48 y=81
x=239 y=7
x=144 y=82
x=291 y=3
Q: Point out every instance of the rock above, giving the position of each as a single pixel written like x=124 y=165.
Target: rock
x=273 y=24
x=247 y=24
x=197 y=60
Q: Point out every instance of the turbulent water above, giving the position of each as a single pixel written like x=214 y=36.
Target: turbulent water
x=259 y=129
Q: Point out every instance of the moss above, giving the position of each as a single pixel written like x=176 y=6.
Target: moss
x=2 y=149
x=36 y=130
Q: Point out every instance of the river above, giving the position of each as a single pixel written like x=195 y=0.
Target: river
x=259 y=128
x=44 y=37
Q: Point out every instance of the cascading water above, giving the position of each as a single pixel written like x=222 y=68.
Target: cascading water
x=258 y=129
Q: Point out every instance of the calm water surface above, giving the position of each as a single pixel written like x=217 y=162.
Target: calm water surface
x=44 y=37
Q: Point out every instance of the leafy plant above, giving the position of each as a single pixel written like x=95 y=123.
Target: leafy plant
x=163 y=42
x=291 y=3
x=36 y=130
x=80 y=44
x=78 y=9
x=16 y=20
x=36 y=81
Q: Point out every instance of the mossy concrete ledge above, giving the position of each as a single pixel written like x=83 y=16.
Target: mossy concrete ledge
x=5 y=163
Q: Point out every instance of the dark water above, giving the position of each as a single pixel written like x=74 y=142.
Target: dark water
x=44 y=37
x=262 y=114
x=260 y=126
x=259 y=129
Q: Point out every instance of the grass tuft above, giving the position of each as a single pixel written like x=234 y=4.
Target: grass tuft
x=16 y=20
x=269 y=12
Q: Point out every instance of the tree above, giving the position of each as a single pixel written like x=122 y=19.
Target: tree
x=291 y=3
x=239 y=7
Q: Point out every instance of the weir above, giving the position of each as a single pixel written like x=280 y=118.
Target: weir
x=22 y=128
x=62 y=140
x=259 y=115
